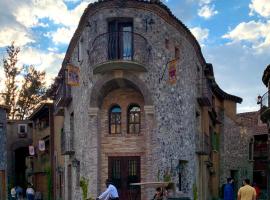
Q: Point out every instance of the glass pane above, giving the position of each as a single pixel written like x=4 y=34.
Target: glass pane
x=137 y=128
x=116 y=169
x=116 y=109
x=118 y=118
x=113 y=128
x=118 y=129
x=131 y=118
x=135 y=108
x=137 y=117
x=127 y=43
x=131 y=128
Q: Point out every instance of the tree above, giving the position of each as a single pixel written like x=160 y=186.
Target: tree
x=31 y=93
x=11 y=72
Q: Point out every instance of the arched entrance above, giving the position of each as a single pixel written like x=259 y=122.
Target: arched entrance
x=123 y=131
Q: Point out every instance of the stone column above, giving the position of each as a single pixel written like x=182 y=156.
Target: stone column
x=150 y=124
x=92 y=156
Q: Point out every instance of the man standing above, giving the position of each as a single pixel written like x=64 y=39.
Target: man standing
x=246 y=192
x=110 y=193
x=228 y=190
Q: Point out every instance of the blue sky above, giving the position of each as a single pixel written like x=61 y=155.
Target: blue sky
x=234 y=36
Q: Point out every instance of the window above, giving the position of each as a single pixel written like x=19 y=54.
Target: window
x=22 y=130
x=134 y=119
x=167 y=44
x=115 y=120
x=120 y=44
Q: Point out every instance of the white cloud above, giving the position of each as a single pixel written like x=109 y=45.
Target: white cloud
x=47 y=61
x=262 y=7
x=20 y=36
x=207 y=11
x=203 y=2
x=200 y=34
x=256 y=33
x=62 y=35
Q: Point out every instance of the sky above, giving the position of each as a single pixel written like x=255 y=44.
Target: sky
x=234 y=36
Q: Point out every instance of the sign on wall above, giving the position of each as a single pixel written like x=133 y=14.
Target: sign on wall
x=31 y=150
x=41 y=145
x=172 y=71
x=73 y=75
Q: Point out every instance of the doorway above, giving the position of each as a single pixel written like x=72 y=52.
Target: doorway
x=120 y=44
x=123 y=171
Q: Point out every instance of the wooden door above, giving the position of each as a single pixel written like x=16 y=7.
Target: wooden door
x=123 y=171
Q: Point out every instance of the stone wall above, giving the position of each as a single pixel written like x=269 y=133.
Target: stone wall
x=3 y=139
x=171 y=126
x=234 y=154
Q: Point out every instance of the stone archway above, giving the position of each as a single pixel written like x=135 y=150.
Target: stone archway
x=105 y=85
x=118 y=79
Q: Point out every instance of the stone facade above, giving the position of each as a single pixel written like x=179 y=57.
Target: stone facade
x=235 y=161
x=169 y=124
x=3 y=150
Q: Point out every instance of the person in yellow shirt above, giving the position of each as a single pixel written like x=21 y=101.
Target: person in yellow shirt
x=246 y=192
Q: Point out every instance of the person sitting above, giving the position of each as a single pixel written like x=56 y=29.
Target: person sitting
x=159 y=194
x=110 y=193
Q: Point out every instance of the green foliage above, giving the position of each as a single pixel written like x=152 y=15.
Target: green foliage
x=11 y=71
x=167 y=177
x=195 y=192
x=21 y=101
x=84 y=186
x=48 y=172
x=32 y=91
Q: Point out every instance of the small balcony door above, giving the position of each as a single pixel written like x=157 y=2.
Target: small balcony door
x=120 y=45
x=123 y=171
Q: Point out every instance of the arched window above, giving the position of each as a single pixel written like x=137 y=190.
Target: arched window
x=134 y=119
x=115 y=120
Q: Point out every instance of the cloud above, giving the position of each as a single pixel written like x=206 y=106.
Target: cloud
x=207 y=11
x=247 y=67
x=20 y=36
x=62 y=35
x=50 y=62
x=256 y=33
x=262 y=7
x=200 y=34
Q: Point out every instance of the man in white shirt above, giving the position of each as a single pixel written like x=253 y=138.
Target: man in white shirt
x=110 y=193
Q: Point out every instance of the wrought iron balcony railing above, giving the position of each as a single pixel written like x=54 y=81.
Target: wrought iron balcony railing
x=120 y=50
x=265 y=110
x=203 y=144
x=62 y=97
x=67 y=147
x=204 y=93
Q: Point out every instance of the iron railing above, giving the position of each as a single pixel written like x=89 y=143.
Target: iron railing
x=203 y=146
x=67 y=146
x=120 y=45
x=205 y=95
x=264 y=100
x=62 y=96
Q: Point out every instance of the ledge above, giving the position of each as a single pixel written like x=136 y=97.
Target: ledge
x=118 y=65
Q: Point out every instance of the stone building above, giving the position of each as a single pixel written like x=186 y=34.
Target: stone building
x=147 y=107
x=265 y=117
x=257 y=145
x=19 y=137
x=3 y=155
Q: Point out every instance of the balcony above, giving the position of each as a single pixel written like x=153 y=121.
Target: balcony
x=62 y=98
x=202 y=144
x=205 y=94
x=67 y=147
x=265 y=110
x=120 y=50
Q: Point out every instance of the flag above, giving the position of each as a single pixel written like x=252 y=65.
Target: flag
x=172 y=71
x=31 y=150
x=73 y=75
x=41 y=145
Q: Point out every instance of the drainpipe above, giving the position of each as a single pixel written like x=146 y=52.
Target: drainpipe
x=51 y=118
